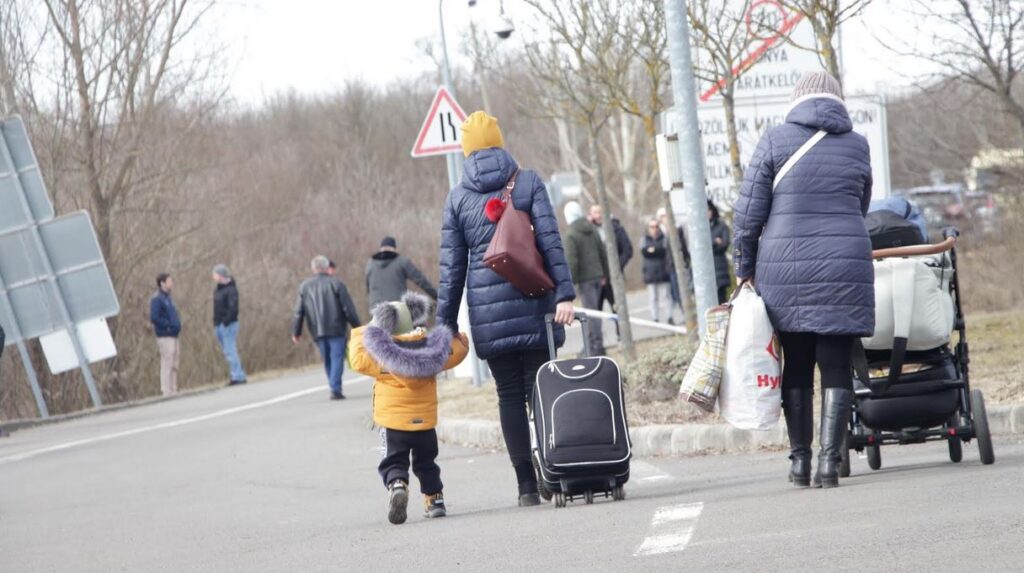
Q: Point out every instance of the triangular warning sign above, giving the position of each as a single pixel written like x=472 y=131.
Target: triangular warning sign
x=440 y=133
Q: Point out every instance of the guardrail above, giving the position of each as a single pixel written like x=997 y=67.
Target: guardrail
x=637 y=321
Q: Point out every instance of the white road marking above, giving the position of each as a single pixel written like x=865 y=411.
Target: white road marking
x=671 y=529
x=165 y=425
x=643 y=472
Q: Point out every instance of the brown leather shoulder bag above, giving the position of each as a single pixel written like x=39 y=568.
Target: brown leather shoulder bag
x=513 y=253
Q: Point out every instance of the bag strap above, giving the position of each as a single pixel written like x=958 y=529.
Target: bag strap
x=793 y=159
x=506 y=196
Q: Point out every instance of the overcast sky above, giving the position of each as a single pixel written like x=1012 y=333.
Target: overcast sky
x=315 y=46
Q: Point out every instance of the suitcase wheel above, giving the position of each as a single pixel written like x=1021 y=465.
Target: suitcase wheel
x=589 y=496
x=559 y=499
x=619 y=493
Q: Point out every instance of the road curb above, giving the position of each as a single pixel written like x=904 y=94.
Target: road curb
x=691 y=439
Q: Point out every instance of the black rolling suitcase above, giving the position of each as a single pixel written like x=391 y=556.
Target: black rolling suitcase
x=581 y=439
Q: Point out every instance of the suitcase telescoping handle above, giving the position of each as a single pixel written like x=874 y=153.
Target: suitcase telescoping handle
x=549 y=320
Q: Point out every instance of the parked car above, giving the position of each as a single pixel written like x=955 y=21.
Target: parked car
x=941 y=205
x=983 y=209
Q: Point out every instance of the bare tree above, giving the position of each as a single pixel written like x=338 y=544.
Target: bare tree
x=725 y=34
x=977 y=42
x=825 y=17
x=582 y=41
x=638 y=86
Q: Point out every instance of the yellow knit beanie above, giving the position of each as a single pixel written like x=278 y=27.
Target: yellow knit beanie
x=480 y=131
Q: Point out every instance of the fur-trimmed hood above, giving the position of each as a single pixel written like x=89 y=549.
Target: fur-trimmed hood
x=420 y=354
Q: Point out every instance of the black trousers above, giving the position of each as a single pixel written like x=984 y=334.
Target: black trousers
x=607 y=294
x=832 y=354
x=397 y=445
x=514 y=376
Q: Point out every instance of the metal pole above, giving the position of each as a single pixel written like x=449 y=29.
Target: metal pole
x=684 y=96
x=478 y=368
x=44 y=257
x=26 y=361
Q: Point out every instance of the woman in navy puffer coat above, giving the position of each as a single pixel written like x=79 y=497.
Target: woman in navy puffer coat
x=806 y=247
x=507 y=326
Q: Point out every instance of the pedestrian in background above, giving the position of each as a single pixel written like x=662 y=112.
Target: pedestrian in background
x=387 y=274
x=507 y=325
x=167 y=327
x=325 y=306
x=623 y=245
x=654 y=250
x=803 y=241
x=225 y=321
x=673 y=279
x=588 y=265
x=720 y=235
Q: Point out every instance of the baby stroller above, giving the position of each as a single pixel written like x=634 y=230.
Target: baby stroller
x=911 y=381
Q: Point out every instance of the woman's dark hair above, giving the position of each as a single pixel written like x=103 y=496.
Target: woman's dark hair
x=161 y=279
x=714 y=210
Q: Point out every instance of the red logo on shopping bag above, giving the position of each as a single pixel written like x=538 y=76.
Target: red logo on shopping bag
x=766 y=381
x=773 y=347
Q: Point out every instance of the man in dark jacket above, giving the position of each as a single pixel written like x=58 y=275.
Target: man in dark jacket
x=225 y=321
x=588 y=265
x=325 y=306
x=167 y=327
x=387 y=273
x=622 y=244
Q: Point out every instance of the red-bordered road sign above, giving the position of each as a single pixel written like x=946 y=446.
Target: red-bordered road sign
x=789 y=21
x=440 y=133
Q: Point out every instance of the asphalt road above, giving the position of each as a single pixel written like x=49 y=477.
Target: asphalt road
x=274 y=477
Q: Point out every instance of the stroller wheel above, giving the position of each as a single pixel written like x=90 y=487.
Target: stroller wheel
x=874 y=457
x=956 y=450
x=981 y=432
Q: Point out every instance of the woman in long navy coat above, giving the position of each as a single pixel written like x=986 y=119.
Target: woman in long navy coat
x=803 y=242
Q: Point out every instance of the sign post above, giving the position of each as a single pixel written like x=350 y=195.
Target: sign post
x=440 y=134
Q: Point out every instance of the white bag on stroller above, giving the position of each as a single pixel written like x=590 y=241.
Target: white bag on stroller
x=912 y=301
x=750 y=396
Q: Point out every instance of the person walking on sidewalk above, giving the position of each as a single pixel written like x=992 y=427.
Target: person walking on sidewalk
x=657 y=270
x=167 y=327
x=388 y=272
x=720 y=236
x=801 y=238
x=623 y=245
x=325 y=306
x=588 y=265
x=507 y=325
x=404 y=358
x=225 y=321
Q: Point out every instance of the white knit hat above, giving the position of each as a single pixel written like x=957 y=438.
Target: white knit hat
x=817 y=84
x=573 y=212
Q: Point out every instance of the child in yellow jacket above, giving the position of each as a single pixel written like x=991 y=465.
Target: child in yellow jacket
x=405 y=358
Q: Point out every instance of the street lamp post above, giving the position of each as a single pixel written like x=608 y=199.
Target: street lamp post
x=478 y=368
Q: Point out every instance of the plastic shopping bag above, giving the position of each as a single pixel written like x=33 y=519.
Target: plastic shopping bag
x=700 y=384
x=750 y=396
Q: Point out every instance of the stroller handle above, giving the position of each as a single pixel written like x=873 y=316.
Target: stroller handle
x=916 y=250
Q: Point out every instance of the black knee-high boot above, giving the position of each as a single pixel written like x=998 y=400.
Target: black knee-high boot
x=835 y=419
x=798 y=407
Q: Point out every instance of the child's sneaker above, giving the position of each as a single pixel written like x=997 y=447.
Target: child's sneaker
x=398 y=500
x=434 y=506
